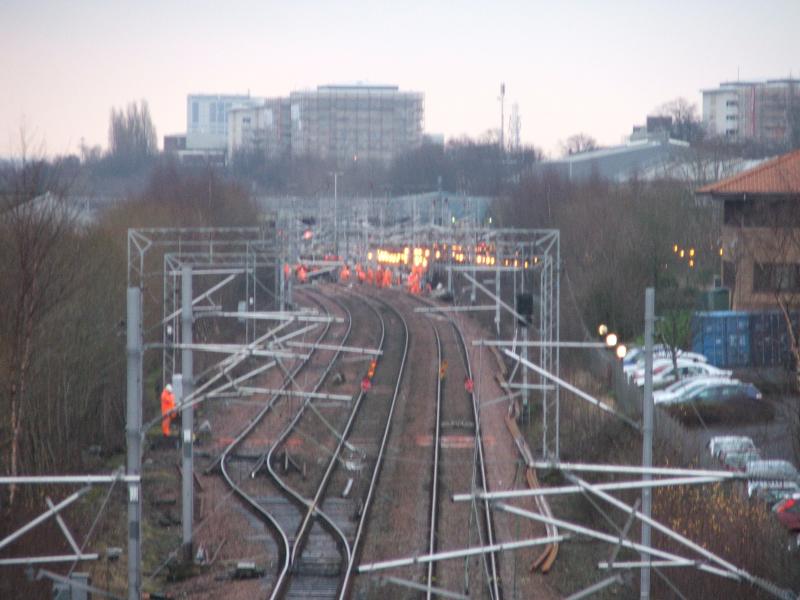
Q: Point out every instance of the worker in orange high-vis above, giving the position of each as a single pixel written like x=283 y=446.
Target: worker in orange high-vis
x=167 y=404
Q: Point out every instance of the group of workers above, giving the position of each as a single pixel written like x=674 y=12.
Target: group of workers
x=380 y=277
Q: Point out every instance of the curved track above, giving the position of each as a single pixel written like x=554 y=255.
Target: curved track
x=331 y=576
x=278 y=529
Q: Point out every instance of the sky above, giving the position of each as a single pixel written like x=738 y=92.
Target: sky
x=572 y=66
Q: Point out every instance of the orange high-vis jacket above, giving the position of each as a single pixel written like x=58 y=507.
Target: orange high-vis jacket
x=167 y=404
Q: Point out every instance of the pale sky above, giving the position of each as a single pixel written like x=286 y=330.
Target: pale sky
x=572 y=66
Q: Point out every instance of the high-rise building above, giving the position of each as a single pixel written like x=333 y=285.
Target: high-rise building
x=262 y=128
x=356 y=122
x=759 y=111
x=207 y=119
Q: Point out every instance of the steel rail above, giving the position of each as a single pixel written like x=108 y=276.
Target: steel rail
x=284 y=549
x=435 y=481
x=311 y=506
x=494 y=588
x=335 y=455
x=348 y=576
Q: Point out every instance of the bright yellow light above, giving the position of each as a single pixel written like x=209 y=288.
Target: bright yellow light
x=425 y=263
x=602 y=330
x=691 y=263
x=427 y=253
x=720 y=251
x=691 y=251
x=526 y=264
x=369 y=255
x=438 y=255
x=406 y=250
x=621 y=351
x=611 y=340
x=675 y=248
x=681 y=254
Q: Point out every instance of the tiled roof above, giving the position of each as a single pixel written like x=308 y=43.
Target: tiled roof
x=780 y=175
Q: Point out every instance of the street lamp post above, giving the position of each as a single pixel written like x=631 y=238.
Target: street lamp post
x=335 y=211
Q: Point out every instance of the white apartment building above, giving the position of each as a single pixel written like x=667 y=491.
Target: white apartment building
x=207 y=119
x=751 y=110
x=262 y=128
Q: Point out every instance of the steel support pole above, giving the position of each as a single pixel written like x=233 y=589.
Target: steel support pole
x=187 y=415
x=647 y=432
x=497 y=304
x=133 y=427
x=526 y=404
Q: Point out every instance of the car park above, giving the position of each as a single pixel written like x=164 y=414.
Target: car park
x=720 y=401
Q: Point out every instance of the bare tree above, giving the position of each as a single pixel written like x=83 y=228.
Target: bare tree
x=580 y=142
x=132 y=135
x=686 y=124
x=33 y=220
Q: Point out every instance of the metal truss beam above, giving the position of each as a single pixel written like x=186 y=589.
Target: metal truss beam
x=43 y=560
x=44 y=516
x=568 y=386
x=637 y=470
x=252 y=391
x=605 y=537
x=537 y=344
x=576 y=489
x=449 y=309
x=349 y=349
x=592 y=589
x=451 y=554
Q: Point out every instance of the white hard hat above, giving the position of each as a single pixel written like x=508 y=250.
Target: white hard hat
x=169 y=387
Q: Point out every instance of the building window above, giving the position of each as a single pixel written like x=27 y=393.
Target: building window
x=212 y=112
x=732 y=103
x=732 y=117
x=776 y=277
x=195 y=113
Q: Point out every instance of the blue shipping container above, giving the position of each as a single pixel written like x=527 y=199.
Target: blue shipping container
x=708 y=336
x=737 y=339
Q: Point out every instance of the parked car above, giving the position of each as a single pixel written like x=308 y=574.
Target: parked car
x=772 y=492
x=738 y=459
x=685 y=369
x=637 y=372
x=634 y=359
x=772 y=469
x=720 y=401
x=678 y=389
x=788 y=512
x=719 y=444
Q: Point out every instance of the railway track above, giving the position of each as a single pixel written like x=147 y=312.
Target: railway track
x=457 y=433
x=316 y=536
x=275 y=510
x=378 y=418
